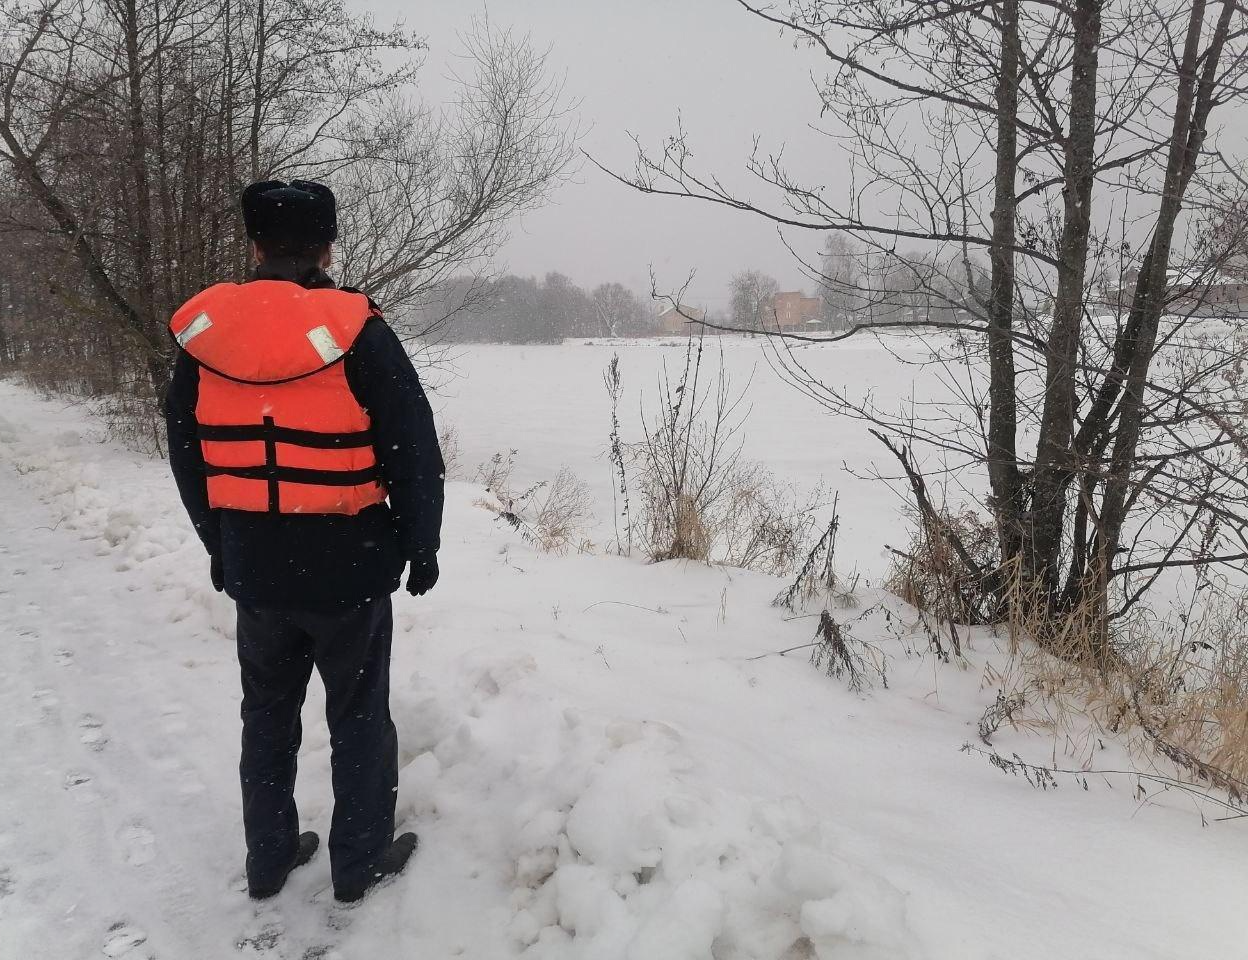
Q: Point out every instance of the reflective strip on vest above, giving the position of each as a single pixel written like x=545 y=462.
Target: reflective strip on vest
x=193 y=329
x=323 y=342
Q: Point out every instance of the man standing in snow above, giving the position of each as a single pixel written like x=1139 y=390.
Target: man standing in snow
x=305 y=452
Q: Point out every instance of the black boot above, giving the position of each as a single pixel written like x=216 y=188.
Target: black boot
x=390 y=863
x=308 y=844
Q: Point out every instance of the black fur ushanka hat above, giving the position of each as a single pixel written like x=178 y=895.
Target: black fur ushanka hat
x=285 y=217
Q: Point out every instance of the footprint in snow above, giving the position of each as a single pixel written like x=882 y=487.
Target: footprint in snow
x=63 y=657
x=79 y=784
x=320 y=953
x=122 y=938
x=268 y=937
x=184 y=779
x=92 y=733
x=138 y=844
x=6 y=883
x=47 y=701
x=172 y=721
x=340 y=916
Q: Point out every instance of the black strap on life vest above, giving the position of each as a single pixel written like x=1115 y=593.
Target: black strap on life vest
x=275 y=474
x=328 y=478
x=270 y=431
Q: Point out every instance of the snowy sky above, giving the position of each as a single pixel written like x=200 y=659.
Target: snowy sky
x=635 y=66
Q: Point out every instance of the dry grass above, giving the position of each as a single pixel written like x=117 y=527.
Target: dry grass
x=1175 y=688
x=842 y=655
x=448 y=440
x=747 y=519
x=932 y=578
x=561 y=510
x=1187 y=686
x=550 y=515
x=495 y=473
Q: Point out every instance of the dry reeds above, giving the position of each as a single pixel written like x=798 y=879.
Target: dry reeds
x=845 y=657
x=933 y=575
x=1175 y=687
x=818 y=577
x=448 y=440
x=550 y=515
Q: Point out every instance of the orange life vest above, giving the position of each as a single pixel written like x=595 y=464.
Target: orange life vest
x=279 y=426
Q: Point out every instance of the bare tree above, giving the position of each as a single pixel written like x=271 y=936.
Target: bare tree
x=1061 y=142
x=751 y=300
x=427 y=194
x=840 y=263
x=620 y=312
x=128 y=128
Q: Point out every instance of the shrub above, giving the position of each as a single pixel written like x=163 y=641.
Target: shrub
x=818 y=577
x=495 y=473
x=934 y=578
x=551 y=516
x=700 y=499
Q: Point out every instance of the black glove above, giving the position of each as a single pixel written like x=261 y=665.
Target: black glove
x=216 y=572
x=422 y=575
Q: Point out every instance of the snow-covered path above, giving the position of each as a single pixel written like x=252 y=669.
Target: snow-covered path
x=596 y=767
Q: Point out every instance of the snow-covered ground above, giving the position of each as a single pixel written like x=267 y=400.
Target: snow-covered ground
x=598 y=763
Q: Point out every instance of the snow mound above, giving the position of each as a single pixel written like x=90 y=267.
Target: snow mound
x=616 y=849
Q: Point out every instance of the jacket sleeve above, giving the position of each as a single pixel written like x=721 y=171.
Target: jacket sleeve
x=186 y=458
x=405 y=439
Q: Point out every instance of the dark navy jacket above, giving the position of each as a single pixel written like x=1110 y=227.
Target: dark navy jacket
x=324 y=562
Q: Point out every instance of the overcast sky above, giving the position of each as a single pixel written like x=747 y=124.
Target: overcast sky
x=635 y=65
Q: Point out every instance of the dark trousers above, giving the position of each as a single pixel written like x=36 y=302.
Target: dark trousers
x=351 y=651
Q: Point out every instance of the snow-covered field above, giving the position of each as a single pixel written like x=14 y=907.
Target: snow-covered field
x=549 y=404
x=598 y=762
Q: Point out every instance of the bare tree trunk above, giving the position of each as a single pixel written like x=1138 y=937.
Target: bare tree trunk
x=143 y=224
x=257 y=108
x=1003 y=413
x=1054 y=463
x=1194 y=101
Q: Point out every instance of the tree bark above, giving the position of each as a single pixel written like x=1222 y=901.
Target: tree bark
x=1003 y=471
x=1054 y=462
x=142 y=241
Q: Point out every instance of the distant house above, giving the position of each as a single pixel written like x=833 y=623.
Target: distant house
x=676 y=320
x=793 y=311
x=1212 y=295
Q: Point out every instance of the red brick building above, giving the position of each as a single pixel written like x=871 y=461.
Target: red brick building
x=792 y=311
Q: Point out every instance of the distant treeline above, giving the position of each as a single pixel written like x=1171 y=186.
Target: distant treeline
x=513 y=309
